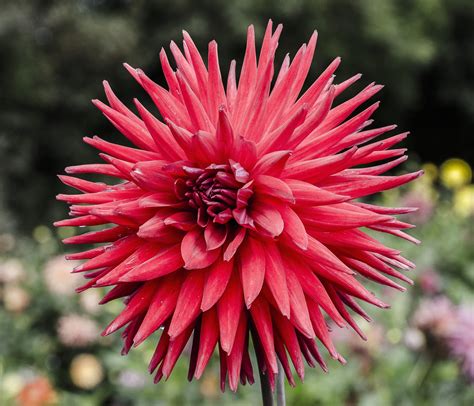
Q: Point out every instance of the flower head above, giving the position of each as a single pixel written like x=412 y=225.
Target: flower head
x=236 y=215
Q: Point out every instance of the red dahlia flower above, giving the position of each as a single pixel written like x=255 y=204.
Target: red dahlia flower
x=237 y=213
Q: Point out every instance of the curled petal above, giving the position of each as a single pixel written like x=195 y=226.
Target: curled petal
x=194 y=251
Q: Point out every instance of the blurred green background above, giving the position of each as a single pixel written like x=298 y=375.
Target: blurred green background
x=54 y=55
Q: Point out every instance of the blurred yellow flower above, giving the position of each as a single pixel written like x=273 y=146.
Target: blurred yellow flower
x=11 y=384
x=42 y=234
x=455 y=173
x=431 y=172
x=394 y=335
x=463 y=201
x=86 y=371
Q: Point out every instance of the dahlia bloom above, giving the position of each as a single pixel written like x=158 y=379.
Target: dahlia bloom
x=235 y=216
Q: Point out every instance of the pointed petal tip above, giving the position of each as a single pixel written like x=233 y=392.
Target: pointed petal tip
x=129 y=67
x=107 y=330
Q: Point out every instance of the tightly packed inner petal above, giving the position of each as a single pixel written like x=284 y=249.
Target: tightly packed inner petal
x=217 y=193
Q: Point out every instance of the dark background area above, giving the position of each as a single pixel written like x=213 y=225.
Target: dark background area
x=54 y=55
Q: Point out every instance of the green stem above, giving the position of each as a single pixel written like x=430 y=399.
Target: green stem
x=280 y=386
x=267 y=396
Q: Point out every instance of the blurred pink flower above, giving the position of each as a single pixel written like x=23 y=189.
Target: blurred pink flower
x=435 y=316
x=77 y=331
x=430 y=281
x=461 y=339
x=424 y=203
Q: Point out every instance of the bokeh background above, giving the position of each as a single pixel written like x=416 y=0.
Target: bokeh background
x=54 y=55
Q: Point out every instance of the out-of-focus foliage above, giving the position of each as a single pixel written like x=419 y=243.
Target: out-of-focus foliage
x=420 y=352
x=55 y=53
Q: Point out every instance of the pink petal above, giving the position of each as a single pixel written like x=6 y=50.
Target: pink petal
x=194 y=251
x=262 y=320
x=294 y=228
x=217 y=279
x=268 y=218
x=208 y=340
x=229 y=309
x=188 y=304
x=271 y=186
x=167 y=260
x=234 y=244
x=252 y=269
x=275 y=278
x=215 y=235
x=161 y=307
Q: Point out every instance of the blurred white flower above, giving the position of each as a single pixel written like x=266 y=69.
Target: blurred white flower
x=414 y=339
x=11 y=271
x=89 y=300
x=132 y=379
x=77 y=331
x=58 y=278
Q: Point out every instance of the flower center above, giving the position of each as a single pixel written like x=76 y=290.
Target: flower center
x=219 y=192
